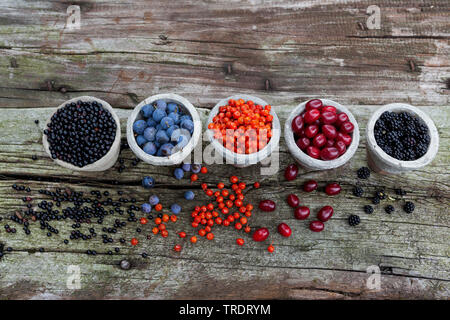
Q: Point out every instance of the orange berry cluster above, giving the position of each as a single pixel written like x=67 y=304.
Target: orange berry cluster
x=250 y=125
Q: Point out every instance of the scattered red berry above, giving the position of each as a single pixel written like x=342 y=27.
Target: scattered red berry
x=293 y=200
x=284 y=230
x=332 y=189
x=301 y=213
x=177 y=247
x=271 y=248
x=310 y=186
x=316 y=226
x=267 y=205
x=261 y=234
x=325 y=213
x=134 y=242
x=291 y=171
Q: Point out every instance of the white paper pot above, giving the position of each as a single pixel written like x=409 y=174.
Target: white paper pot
x=109 y=159
x=245 y=160
x=177 y=157
x=380 y=161
x=318 y=164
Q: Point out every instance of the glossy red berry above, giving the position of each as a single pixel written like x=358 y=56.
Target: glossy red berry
x=344 y=138
x=316 y=226
x=293 y=200
x=301 y=213
x=284 y=230
x=312 y=130
x=313 y=104
x=267 y=205
x=325 y=213
x=328 y=117
x=328 y=109
x=310 y=186
x=313 y=152
x=332 y=189
x=341 y=118
x=340 y=145
x=261 y=234
x=329 y=131
x=297 y=124
x=319 y=140
x=303 y=143
x=347 y=127
x=312 y=115
x=329 y=153
x=291 y=171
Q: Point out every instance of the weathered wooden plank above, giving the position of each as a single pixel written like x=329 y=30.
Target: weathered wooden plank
x=124 y=52
x=412 y=250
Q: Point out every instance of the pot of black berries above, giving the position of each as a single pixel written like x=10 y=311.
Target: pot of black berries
x=83 y=134
x=400 y=138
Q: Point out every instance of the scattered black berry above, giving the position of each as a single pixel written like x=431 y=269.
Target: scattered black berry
x=368 y=209
x=389 y=209
x=380 y=194
x=358 y=191
x=409 y=207
x=375 y=200
x=353 y=220
x=363 y=173
x=400 y=192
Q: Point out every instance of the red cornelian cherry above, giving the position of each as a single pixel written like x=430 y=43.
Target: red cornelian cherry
x=267 y=205
x=312 y=130
x=293 y=200
x=328 y=109
x=310 y=185
x=291 y=171
x=301 y=213
x=284 y=230
x=303 y=143
x=316 y=226
x=261 y=234
x=312 y=115
x=313 y=104
x=297 y=124
x=344 y=138
x=313 y=152
x=328 y=117
x=325 y=213
x=329 y=131
x=329 y=153
x=319 y=140
x=347 y=127
x=341 y=118
x=332 y=189
x=340 y=145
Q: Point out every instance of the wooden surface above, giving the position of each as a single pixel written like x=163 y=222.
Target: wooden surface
x=283 y=51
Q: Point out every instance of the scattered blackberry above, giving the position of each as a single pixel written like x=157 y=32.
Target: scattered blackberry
x=358 y=191
x=353 y=220
x=363 y=173
x=400 y=192
x=376 y=200
x=368 y=209
x=402 y=135
x=389 y=209
x=409 y=207
x=380 y=194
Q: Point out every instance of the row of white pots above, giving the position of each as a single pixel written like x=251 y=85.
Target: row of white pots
x=377 y=158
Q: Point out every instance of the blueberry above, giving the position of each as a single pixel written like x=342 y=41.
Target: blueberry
x=171 y=130
x=175 y=117
x=151 y=122
x=146 y=208
x=189 y=195
x=148 y=182
x=140 y=140
x=167 y=122
x=147 y=110
x=158 y=114
x=186 y=167
x=153 y=200
x=166 y=149
x=149 y=133
x=161 y=137
x=175 y=208
x=139 y=126
x=178 y=173
x=172 y=107
x=149 y=148
x=161 y=104
x=187 y=124
x=196 y=168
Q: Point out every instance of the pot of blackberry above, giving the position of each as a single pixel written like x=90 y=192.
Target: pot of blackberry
x=400 y=138
x=243 y=129
x=83 y=134
x=163 y=129
x=321 y=134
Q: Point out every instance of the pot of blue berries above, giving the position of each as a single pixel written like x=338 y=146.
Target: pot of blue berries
x=400 y=138
x=163 y=129
x=83 y=134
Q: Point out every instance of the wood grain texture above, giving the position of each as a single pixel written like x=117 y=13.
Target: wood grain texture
x=411 y=250
x=282 y=51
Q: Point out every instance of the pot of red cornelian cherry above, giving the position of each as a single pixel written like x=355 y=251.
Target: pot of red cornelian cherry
x=321 y=134
x=243 y=129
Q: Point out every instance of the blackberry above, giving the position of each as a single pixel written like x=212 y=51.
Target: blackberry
x=402 y=135
x=409 y=207
x=389 y=209
x=353 y=220
x=380 y=194
x=363 y=173
x=358 y=191
x=368 y=209
x=400 y=192
x=375 y=200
